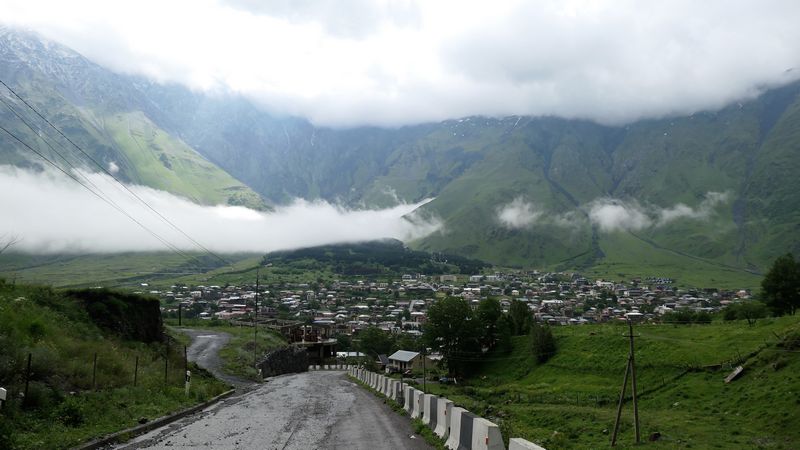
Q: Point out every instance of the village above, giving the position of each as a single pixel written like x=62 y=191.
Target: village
x=315 y=314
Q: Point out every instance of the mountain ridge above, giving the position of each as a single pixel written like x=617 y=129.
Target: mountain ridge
x=565 y=172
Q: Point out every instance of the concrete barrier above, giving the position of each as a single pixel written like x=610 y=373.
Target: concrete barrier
x=316 y=367
x=460 y=429
x=429 y=405
x=443 y=412
x=395 y=390
x=416 y=413
x=522 y=444
x=310 y=368
x=408 y=395
x=327 y=367
x=387 y=386
x=486 y=435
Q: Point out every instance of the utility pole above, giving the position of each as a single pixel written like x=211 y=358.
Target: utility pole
x=629 y=370
x=255 y=323
x=424 y=373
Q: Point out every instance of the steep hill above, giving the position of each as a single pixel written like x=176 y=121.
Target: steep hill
x=101 y=112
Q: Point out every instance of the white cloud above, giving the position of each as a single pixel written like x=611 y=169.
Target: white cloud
x=617 y=215
x=614 y=215
x=518 y=214
x=52 y=214
x=609 y=214
x=394 y=62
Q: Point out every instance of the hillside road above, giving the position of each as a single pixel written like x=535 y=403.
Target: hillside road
x=312 y=410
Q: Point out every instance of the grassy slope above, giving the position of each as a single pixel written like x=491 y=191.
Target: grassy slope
x=569 y=401
x=63 y=342
x=116 y=270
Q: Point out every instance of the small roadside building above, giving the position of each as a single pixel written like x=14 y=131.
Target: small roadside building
x=405 y=360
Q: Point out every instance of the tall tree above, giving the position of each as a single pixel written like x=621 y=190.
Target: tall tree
x=373 y=341
x=489 y=313
x=780 y=288
x=520 y=316
x=453 y=329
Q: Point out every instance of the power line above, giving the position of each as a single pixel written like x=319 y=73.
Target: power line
x=113 y=205
x=107 y=172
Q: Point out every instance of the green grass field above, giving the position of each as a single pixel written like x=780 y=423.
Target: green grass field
x=570 y=401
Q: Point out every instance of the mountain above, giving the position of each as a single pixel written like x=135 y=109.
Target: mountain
x=710 y=197
x=105 y=114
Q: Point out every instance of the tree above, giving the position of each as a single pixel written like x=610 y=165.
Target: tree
x=780 y=288
x=543 y=344
x=520 y=317
x=488 y=313
x=453 y=329
x=749 y=311
x=373 y=341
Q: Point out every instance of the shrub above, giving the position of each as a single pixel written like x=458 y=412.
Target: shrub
x=543 y=342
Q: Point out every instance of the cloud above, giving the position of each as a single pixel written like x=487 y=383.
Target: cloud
x=395 y=62
x=518 y=214
x=609 y=214
x=53 y=214
x=617 y=215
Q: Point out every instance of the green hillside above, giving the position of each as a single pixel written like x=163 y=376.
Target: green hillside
x=65 y=333
x=570 y=401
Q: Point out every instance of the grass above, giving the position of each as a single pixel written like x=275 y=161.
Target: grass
x=570 y=401
x=64 y=406
x=237 y=354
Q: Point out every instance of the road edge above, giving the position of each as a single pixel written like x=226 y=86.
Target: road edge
x=129 y=433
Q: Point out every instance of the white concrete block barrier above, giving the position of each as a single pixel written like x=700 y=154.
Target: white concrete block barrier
x=316 y=367
x=396 y=390
x=310 y=368
x=429 y=410
x=460 y=429
x=522 y=444
x=416 y=413
x=444 y=409
x=387 y=386
x=486 y=435
x=327 y=367
x=381 y=381
x=408 y=395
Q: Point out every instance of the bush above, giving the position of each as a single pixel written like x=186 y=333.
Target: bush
x=543 y=342
x=70 y=412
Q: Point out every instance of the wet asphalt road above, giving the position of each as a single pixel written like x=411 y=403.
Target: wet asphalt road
x=204 y=350
x=312 y=410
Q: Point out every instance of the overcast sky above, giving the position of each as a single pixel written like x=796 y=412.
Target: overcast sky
x=354 y=62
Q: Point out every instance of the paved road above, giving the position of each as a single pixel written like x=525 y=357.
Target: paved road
x=312 y=410
x=204 y=350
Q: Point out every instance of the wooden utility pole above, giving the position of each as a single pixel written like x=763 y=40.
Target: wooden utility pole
x=630 y=369
x=255 y=324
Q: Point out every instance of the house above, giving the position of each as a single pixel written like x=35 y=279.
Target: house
x=405 y=360
x=383 y=361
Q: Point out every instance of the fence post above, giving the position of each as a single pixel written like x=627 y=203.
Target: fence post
x=94 y=372
x=27 y=380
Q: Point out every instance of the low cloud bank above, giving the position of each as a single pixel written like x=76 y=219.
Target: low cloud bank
x=610 y=214
x=52 y=214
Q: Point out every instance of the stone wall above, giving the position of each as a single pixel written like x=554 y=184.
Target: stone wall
x=284 y=360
